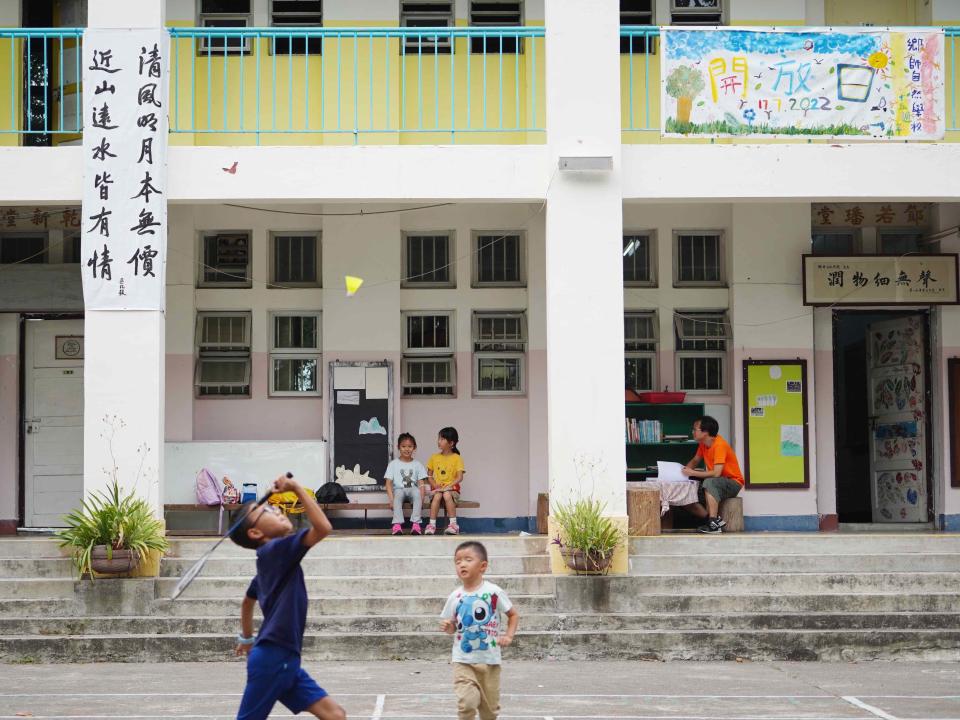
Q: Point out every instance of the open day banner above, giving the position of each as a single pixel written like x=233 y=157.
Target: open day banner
x=763 y=82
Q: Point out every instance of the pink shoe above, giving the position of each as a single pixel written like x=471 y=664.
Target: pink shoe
x=396 y=529
x=431 y=529
x=415 y=529
x=452 y=529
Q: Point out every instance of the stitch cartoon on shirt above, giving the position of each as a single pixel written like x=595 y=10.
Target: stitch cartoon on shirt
x=477 y=622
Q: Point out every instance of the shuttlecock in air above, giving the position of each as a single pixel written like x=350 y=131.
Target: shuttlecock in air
x=353 y=284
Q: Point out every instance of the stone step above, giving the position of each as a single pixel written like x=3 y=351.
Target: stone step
x=372 y=586
x=790 y=543
x=784 y=583
x=700 y=645
x=794 y=563
x=532 y=622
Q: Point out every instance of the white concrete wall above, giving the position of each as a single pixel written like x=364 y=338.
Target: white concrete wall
x=9 y=420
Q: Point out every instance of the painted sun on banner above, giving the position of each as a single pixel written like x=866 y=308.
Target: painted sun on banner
x=869 y=83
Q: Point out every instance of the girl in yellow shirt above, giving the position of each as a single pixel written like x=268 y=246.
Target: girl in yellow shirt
x=445 y=473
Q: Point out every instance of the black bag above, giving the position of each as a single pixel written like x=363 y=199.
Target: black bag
x=331 y=492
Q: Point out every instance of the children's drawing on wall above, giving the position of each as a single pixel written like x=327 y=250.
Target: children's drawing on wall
x=372 y=427
x=766 y=401
x=354 y=477
x=837 y=83
x=791 y=440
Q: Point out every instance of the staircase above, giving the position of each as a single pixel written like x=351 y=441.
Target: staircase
x=755 y=596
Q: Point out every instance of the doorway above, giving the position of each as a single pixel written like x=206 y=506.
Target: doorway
x=52 y=420
x=881 y=364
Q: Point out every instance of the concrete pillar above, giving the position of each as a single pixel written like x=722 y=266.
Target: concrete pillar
x=770 y=322
x=124 y=351
x=584 y=289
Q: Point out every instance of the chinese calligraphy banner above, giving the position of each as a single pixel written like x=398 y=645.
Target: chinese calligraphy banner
x=880 y=280
x=763 y=82
x=124 y=213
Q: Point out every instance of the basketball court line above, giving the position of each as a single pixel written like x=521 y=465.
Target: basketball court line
x=869 y=708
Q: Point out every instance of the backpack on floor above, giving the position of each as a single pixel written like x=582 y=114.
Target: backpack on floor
x=331 y=492
x=209 y=489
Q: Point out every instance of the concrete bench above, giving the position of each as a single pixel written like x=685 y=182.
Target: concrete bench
x=365 y=506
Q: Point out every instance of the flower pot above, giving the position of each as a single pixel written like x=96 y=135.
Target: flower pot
x=583 y=563
x=122 y=561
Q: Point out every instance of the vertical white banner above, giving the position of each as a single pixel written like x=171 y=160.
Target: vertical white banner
x=124 y=225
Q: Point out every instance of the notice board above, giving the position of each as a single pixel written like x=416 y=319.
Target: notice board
x=775 y=424
x=361 y=423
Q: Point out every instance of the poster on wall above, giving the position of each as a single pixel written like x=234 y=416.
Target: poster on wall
x=124 y=211
x=867 y=83
x=775 y=424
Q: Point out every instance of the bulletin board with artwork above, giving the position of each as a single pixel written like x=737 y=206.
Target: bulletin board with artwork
x=775 y=424
x=361 y=423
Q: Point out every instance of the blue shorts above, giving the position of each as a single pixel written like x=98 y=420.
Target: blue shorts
x=274 y=673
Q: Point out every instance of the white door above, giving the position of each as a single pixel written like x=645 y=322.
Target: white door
x=53 y=421
x=896 y=394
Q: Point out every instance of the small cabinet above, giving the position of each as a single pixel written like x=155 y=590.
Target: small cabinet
x=675 y=441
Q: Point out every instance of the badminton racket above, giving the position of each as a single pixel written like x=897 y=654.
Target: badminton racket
x=197 y=567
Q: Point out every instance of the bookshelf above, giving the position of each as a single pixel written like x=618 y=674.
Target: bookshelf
x=645 y=446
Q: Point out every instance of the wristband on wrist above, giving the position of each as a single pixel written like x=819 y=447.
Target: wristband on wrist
x=241 y=640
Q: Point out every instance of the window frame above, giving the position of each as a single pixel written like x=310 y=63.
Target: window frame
x=277 y=352
x=475 y=280
x=652 y=257
x=700 y=16
x=272 y=236
x=518 y=352
x=721 y=258
x=855 y=232
x=442 y=46
x=902 y=232
x=508 y=46
x=405 y=362
x=42 y=258
x=649 y=354
x=681 y=354
x=243 y=354
x=203 y=49
x=202 y=267
x=307 y=42
x=406 y=282
x=641 y=45
x=450 y=349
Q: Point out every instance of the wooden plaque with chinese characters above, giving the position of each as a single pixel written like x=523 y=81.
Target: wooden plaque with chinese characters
x=880 y=280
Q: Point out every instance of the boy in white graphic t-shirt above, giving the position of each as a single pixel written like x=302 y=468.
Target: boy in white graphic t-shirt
x=472 y=616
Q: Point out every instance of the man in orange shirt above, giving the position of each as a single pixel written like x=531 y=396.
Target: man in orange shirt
x=721 y=480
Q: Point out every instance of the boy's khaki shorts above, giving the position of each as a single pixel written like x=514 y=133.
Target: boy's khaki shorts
x=477 y=688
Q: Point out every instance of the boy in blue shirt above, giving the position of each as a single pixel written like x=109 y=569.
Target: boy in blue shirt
x=273 y=662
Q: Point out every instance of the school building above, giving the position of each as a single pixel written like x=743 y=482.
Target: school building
x=530 y=246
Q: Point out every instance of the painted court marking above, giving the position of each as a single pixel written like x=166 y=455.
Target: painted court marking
x=869 y=708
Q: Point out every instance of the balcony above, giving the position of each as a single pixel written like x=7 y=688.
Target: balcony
x=641 y=91
x=315 y=86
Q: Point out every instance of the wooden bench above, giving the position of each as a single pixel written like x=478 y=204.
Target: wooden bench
x=326 y=507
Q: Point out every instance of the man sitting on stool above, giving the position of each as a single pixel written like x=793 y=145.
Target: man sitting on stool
x=721 y=480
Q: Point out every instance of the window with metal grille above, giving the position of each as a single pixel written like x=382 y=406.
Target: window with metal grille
x=701 y=342
x=223 y=350
x=698 y=258
x=637 y=12
x=834 y=242
x=428 y=367
x=293 y=14
x=23 y=248
x=638 y=259
x=71 y=246
x=426 y=14
x=499 y=345
x=497 y=13
x=898 y=242
x=295 y=354
x=696 y=12
x=427 y=260
x=224 y=14
x=640 y=350
x=498 y=259
x=294 y=260
x=225 y=258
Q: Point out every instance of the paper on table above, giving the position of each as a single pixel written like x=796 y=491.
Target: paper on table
x=670 y=472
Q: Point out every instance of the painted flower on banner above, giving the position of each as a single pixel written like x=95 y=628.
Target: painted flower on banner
x=749 y=115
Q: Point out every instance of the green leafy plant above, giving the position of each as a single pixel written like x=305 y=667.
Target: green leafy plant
x=585 y=530
x=115 y=520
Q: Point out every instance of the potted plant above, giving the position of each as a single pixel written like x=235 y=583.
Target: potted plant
x=111 y=532
x=588 y=539
x=684 y=83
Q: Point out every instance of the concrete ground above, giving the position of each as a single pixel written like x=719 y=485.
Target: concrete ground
x=539 y=691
